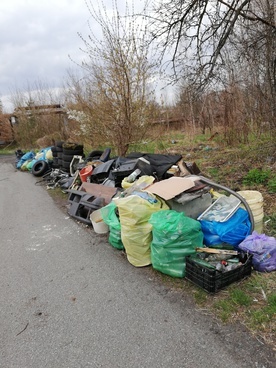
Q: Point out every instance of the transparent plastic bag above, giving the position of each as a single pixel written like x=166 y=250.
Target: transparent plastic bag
x=263 y=249
x=175 y=236
x=135 y=212
x=139 y=184
x=110 y=217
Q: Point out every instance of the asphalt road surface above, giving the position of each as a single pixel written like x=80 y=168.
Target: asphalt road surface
x=68 y=299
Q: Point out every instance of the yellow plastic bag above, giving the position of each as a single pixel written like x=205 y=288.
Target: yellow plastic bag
x=136 y=232
x=39 y=156
x=143 y=182
x=49 y=155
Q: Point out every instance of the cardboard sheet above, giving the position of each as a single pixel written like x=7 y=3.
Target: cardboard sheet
x=169 y=188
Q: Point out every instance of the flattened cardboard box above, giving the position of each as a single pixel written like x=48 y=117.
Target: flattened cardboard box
x=169 y=188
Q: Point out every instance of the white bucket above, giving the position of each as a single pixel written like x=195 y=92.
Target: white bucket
x=258 y=227
x=99 y=225
x=255 y=202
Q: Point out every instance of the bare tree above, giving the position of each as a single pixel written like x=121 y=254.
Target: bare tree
x=224 y=47
x=115 y=90
x=194 y=32
x=255 y=51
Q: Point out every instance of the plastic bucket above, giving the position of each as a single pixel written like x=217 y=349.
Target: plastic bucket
x=258 y=227
x=255 y=202
x=85 y=173
x=99 y=225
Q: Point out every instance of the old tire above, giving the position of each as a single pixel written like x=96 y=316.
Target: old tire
x=67 y=158
x=70 y=152
x=39 y=168
x=94 y=155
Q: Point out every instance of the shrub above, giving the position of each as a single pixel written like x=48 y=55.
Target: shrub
x=256 y=176
x=271 y=185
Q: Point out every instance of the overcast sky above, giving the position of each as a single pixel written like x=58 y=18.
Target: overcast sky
x=36 y=37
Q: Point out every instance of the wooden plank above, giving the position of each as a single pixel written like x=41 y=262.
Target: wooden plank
x=217 y=251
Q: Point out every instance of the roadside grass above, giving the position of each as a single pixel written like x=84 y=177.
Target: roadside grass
x=270 y=224
x=250 y=302
x=57 y=194
x=253 y=303
x=7 y=151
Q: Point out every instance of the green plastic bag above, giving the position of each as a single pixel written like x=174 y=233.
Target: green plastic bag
x=30 y=165
x=110 y=217
x=24 y=166
x=175 y=236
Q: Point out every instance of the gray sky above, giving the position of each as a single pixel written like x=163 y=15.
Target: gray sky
x=36 y=37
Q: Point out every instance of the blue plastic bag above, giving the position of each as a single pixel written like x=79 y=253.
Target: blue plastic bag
x=263 y=248
x=28 y=156
x=232 y=231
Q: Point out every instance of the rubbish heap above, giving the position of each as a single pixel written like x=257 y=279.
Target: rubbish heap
x=161 y=211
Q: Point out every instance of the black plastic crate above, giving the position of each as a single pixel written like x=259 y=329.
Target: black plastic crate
x=212 y=280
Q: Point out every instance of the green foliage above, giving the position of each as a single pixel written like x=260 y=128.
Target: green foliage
x=239 y=297
x=200 y=296
x=7 y=151
x=160 y=146
x=270 y=223
x=225 y=309
x=256 y=282
x=256 y=176
x=272 y=302
x=265 y=314
x=271 y=185
x=200 y=138
x=259 y=317
x=214 y=172
x=143 y=147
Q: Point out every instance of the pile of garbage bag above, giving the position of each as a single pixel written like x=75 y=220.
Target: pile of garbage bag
x=158 y=209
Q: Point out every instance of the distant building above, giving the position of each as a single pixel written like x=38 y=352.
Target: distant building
x=54 y=109
x=44 y=121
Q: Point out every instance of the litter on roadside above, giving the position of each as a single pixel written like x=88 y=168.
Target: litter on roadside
x=161 y=211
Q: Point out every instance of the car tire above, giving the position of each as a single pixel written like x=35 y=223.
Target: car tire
x=59 y=144
x=59 y=149
x=66 y=165
x=94 y=155
x=39 y=168
x=67 y=158
x=73 y=146
x=70 y=152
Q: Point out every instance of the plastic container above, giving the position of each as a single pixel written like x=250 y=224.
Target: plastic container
x=85 y=173
x=132 y=177
x=99 y=226
x=255 y=202
x=221 y=210
x=213 y=280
